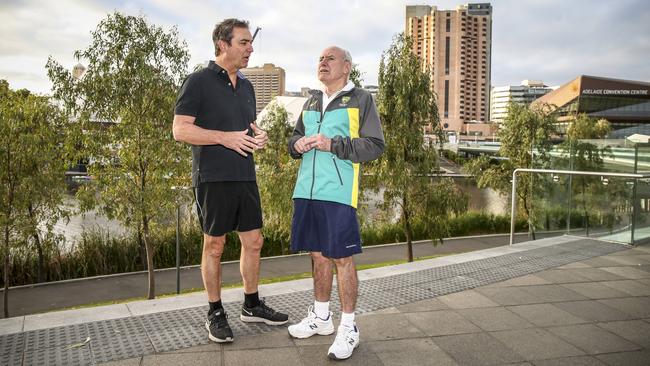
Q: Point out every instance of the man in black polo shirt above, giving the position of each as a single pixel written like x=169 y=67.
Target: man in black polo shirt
x=215 y=113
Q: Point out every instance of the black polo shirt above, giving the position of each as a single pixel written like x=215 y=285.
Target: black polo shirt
x=209 y=96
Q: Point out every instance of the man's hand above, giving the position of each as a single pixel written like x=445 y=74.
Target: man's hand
x=261 y=137
x=239 y=141
x=302 y=145
x=320 y=142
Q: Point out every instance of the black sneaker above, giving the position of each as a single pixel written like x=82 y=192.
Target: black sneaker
x=218 y=328
x=262 y=314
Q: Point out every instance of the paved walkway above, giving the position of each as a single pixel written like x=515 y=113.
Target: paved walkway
x=560 y=301
x=66 y=294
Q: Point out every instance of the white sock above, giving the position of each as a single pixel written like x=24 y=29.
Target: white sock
x=347 y=319
x=322 y=309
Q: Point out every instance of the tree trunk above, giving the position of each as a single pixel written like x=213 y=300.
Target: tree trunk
x=584 y=206
x=142 y=248
x=531 y=228
x=6 y=273
x=37 y=242
x=407 y=230
x=151 y=293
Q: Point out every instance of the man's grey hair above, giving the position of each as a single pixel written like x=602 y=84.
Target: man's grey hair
x=346 y=55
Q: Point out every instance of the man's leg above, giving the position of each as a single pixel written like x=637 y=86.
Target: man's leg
x=211 y=265
x=249 y=262
x=319 y=319
x=323 y=277
x=347 y=336
x=255 y=310
x=346 y=279
x=217 y=323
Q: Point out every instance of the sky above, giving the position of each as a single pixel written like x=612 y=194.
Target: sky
x=550 y=40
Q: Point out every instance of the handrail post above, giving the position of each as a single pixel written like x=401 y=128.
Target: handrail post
x=513 y=206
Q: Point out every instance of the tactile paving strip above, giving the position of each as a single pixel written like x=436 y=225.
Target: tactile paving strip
x=130 y=337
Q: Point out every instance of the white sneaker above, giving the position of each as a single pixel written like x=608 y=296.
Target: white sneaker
x=347 y=339
x=312 y=325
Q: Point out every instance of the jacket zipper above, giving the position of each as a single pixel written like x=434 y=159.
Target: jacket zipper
x=320 y=123
x=337 y=169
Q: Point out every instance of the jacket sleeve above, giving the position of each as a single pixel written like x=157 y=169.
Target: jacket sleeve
x=370 y=143
x=298 y=132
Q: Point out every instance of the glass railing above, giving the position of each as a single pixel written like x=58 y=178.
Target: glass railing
x=613 y=203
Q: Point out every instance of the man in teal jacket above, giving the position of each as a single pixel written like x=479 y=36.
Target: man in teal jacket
x=338 y=129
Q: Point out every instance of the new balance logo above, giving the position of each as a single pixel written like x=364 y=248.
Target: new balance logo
x=351 y=341
x=247 y=312
x=313 y=326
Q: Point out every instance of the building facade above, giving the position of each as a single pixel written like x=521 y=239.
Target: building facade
x=502 y=96
x=624 y=103
x=456 y=46
x=268 y=81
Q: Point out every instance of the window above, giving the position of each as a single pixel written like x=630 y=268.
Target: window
x=446 y=99
x=447 y=52
x=448 y=25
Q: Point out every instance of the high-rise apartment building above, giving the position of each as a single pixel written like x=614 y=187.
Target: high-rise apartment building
x=502 y=96
x=268 y=81
x=456 y=45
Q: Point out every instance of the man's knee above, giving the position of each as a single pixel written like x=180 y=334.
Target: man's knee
x=319 y=259
x=213 y=246
x=252 y=241
x=343 y=262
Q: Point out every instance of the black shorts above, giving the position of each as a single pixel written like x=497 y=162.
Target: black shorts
x=223 y=207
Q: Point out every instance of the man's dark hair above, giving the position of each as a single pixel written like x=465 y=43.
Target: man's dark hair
x=223 y=31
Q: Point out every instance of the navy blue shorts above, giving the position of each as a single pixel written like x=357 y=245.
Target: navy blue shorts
x=327 y=227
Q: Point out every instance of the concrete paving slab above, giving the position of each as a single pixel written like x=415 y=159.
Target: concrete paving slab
x=424 y=305
x=442 y=322
x=275 y=339
x=316 y=355
x=636 y=331
x=78 y=316
x=278 y=357
x=127 y=362
x=175 y=359
x=466 y=299
x=595 y=290
x=638 y=307
x=12 y=325
x=536 y=344
x=552 y=293
x=421 y=351
x=592 y=339
x=592 y=311
x=630 y=287
x=509 y=295
x=387 y=326
x=561 y=276
x=495 y=319
x=477 y=349
x=545 y=315
x=638 y=358
x=527 y=280
x=627 y=272
x=573 y=361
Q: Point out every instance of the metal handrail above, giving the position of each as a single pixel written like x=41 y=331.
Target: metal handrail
x=513 y=204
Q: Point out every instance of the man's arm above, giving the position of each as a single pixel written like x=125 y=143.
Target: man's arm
x=297 y=142
x=185 y=130
x=370 y=143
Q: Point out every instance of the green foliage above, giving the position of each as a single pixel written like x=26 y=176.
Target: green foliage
x=134 y=71
x=32 y=167
x=526 y=143
x=356 y=76
x=406 y=104
x=275 y=169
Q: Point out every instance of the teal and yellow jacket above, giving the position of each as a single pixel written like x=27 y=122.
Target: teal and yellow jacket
x=352 y=122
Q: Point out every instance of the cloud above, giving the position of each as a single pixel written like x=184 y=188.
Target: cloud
x=552 y=40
